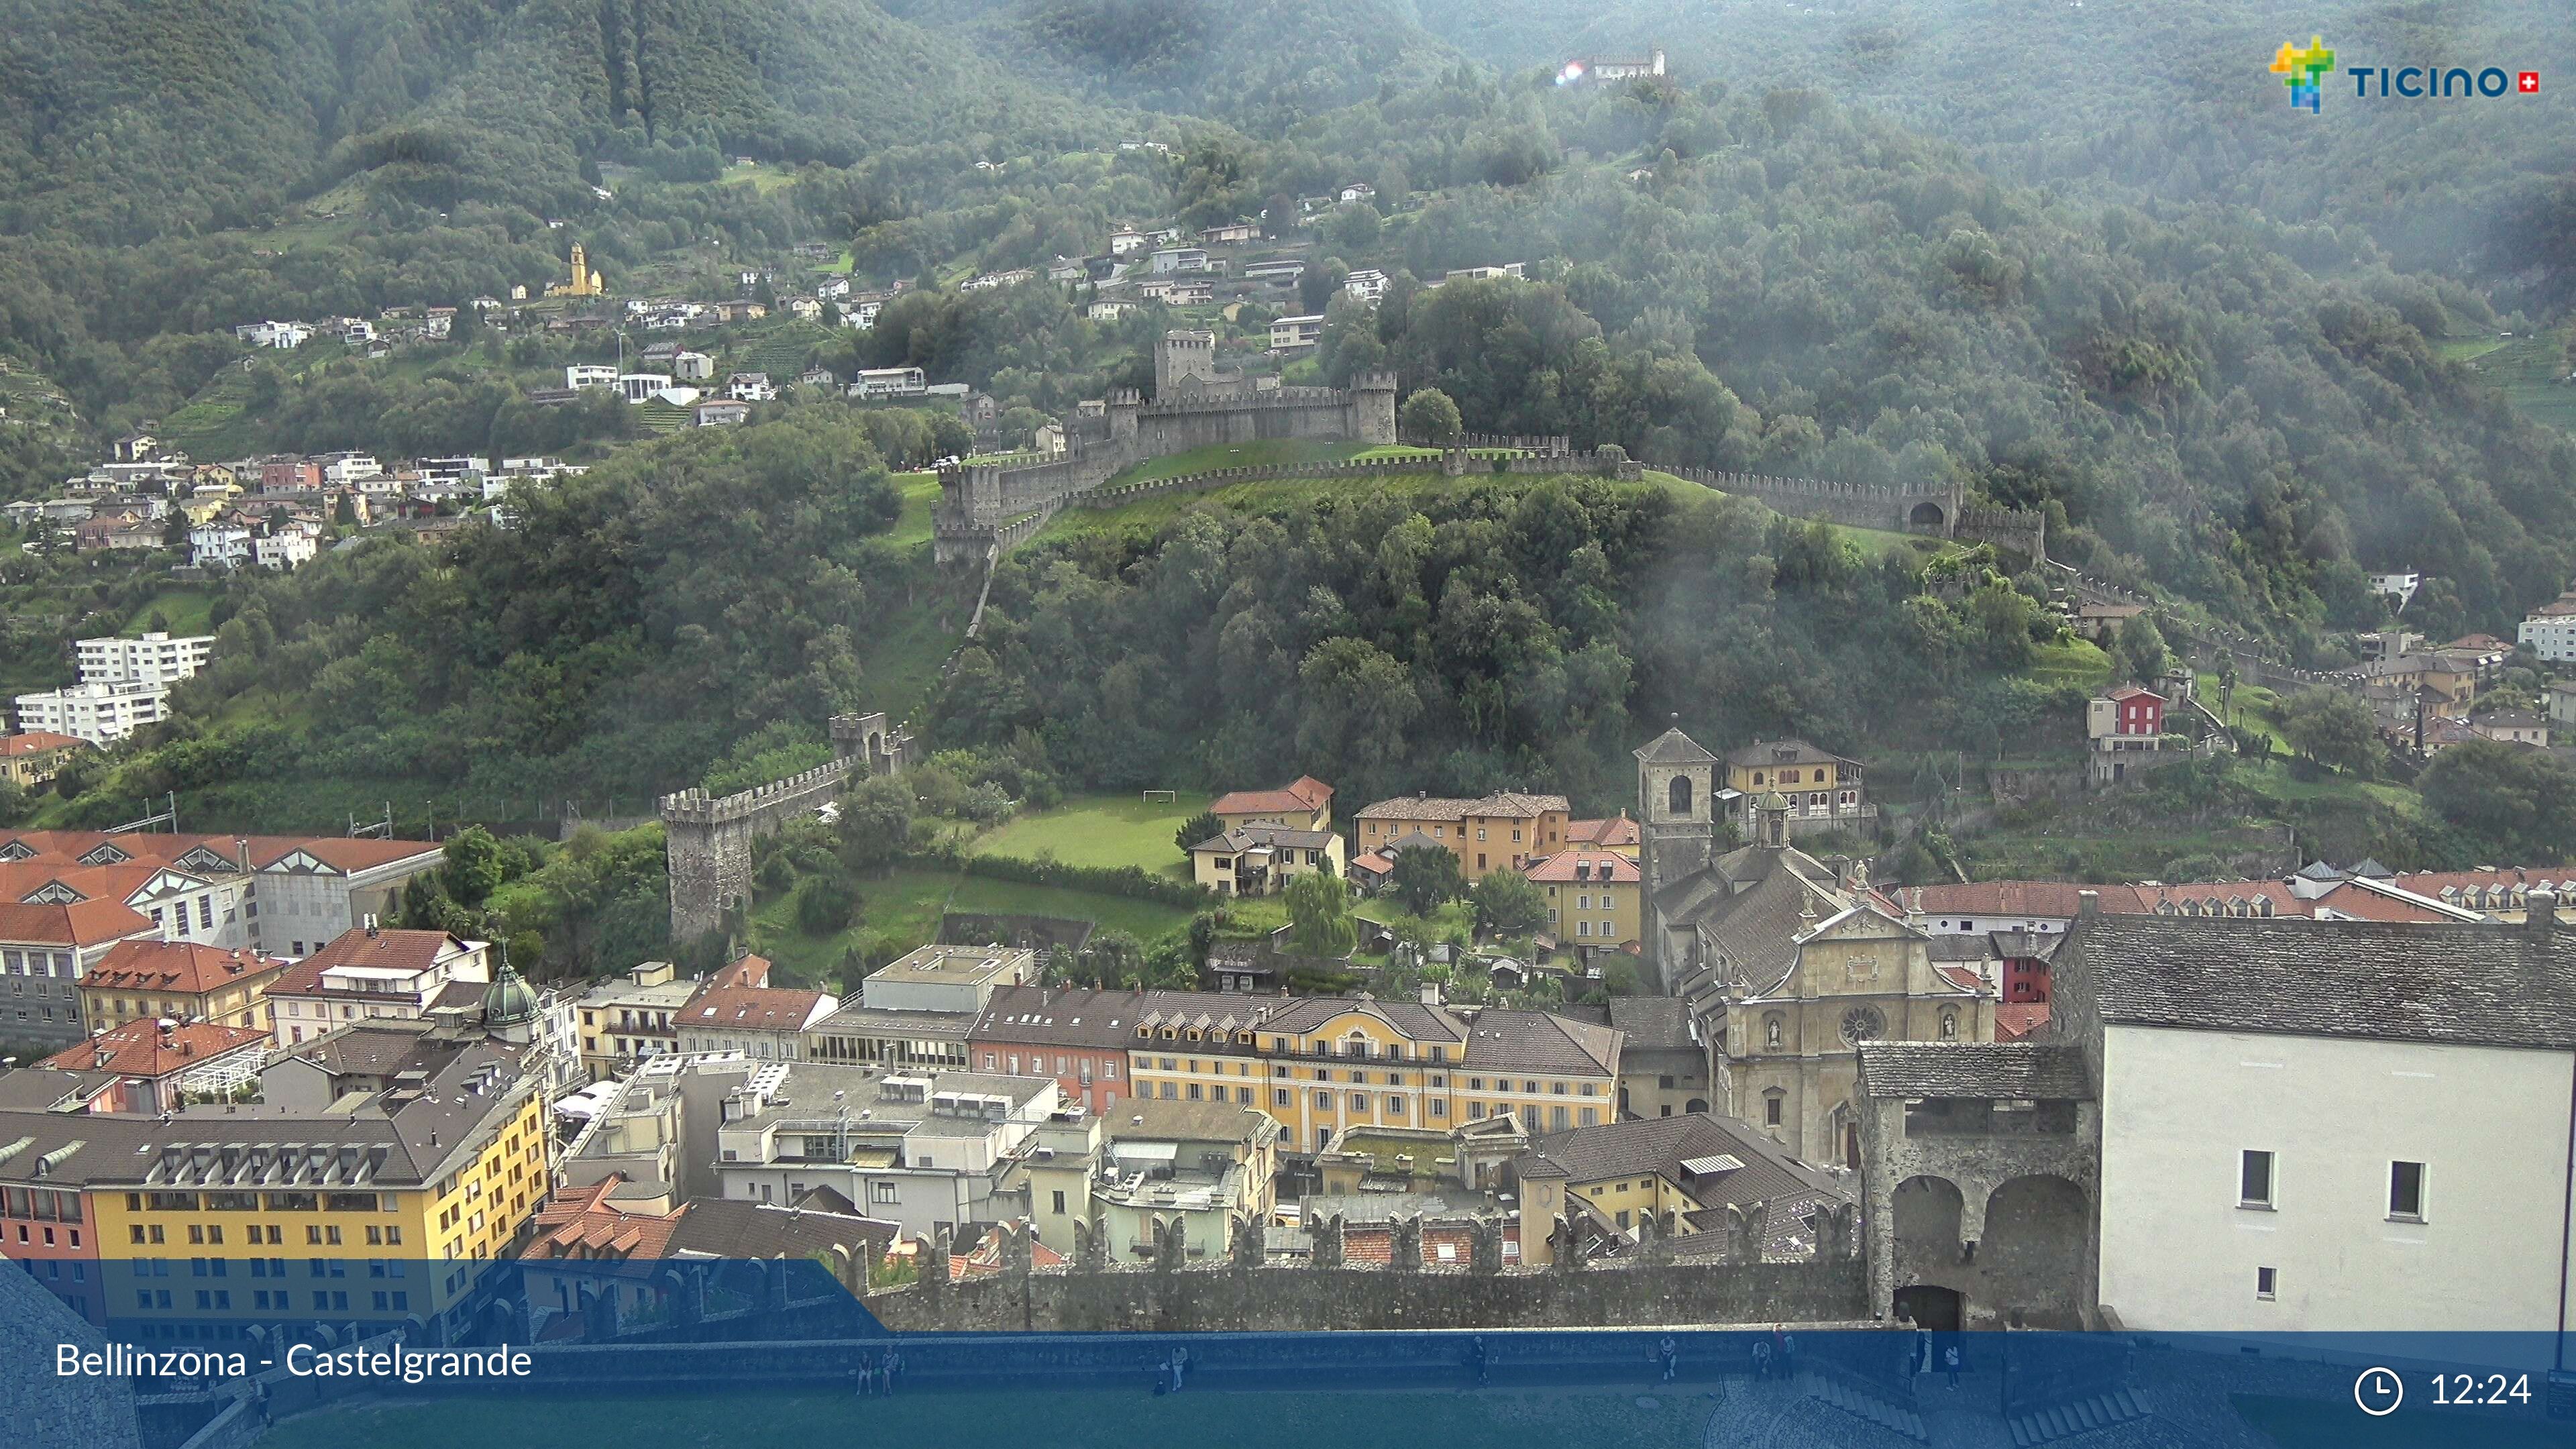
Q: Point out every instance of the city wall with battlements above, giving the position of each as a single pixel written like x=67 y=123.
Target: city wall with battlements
x=706 y=839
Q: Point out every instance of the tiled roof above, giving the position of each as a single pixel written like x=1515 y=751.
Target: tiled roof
x=388 y=950
x=2482 y=985
x=749 y=1008
x=1607 y=834
x=1494 y=1039
x=143 y=1049
x=82 y=923
x=1783 y=752
x=1417 y=807
x=349 y=855
x=1672 y=747
x=2012 y=1071
x=176 y=966
x=1254 y=837
x=1302 y=795
x=35 y=742
x=1538 y=1041
x=2018 y=899
x=1660 y=1146
x=1598 y=866
x=2016 y=1020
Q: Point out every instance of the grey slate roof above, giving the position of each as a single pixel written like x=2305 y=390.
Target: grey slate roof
x=1660 y=1145
x=2471 y=984
x=1672 y=747
x=2008 y=1071
x=722 y=1227
x=1653 y=1023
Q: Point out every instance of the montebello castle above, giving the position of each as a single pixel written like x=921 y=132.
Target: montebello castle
x=1195 y=406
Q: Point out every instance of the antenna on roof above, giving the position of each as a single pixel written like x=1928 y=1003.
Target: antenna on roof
x=374 y=829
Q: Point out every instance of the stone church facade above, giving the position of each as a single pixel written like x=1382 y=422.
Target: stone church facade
x=1787 y=963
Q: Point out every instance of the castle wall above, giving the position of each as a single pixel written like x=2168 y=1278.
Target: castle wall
x=706 y=842
x=1307 y=1298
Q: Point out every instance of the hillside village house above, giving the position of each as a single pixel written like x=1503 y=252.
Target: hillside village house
x=1202 y=1166
x=737 y=1010
x=1304 y=803
x=143 y=980
x=1260 y=860
x=1502 y=831
x=2550 y=630
x=1823 y=790
x=2120 y=728
x=1591 y=897
x=371 y=972
x=31 y=759
x=1619 y=833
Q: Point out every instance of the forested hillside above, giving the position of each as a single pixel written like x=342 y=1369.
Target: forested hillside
x=2169 y=100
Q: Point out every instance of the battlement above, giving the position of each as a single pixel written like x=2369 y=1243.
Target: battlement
x=1277 y=397
x=695 y=806
x=1374 y=382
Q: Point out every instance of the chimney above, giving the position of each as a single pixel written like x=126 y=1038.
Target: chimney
x=2541 y=918
x=2089 y=903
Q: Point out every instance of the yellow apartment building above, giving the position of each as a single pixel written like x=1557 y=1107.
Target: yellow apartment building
x=1592 y=897
x=1502 y=831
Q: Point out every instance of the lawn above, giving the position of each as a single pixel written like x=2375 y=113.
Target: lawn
x=1061 y=1418
x=1102 y=830
x=2075 y=662
x=912 y=527
x=187 y=611
x=901 y=910
x=1263 y=453
x=903 y=654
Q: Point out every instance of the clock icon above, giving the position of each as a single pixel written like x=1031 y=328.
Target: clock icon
x=2378 y=1392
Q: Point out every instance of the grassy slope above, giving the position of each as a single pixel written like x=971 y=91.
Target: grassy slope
x=1099 y=830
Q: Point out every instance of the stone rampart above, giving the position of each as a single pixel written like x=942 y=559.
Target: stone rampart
x=1308 y=1298
x=706 y=839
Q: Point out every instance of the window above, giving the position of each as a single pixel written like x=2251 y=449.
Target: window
x=1059 y=1203
x=2267 y=1283
x=2254 y=1181
x=1771 y=1107
x=1677 y=795
x=882 y=1192
x=2406 y=1192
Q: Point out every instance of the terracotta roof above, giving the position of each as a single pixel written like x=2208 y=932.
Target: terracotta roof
x=1598 y=866
x=1510 y=804
x=1616 y=831
x=35 y=742
x=2019 y=899
x=1299 y=796
x=750 y=970
x=2016 y=1071
x=143 y=1049
x=82 y=923
x=348 y=854
x=176 y=966
x=2131 y=691
x=750 y=1008
x=385 y=949
x=1254 y=837
x=1663 y=1146
x=2016 y=1020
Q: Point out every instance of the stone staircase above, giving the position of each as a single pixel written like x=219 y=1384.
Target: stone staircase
x=1866 y=1406
x=2064 y=1421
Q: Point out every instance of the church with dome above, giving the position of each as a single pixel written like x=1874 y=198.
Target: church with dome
x=1785 y=963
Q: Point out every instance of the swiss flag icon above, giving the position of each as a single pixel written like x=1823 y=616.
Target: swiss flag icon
x=2528 y=82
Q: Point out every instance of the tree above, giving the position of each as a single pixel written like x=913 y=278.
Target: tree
x=1508 y=903
x=1429 y=416
x=1319 y=914
x=1202 y=826
x=876 y=822
x=1426 y=876
x=2142 y=647
x=2516 y=803
x=473 y=867
x=2332 y=728
x=824 y=904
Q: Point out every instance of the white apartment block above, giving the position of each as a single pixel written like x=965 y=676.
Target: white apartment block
x=151 y=659
x=97 y=713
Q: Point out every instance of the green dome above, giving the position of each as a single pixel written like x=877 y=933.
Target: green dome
x=1774 y=801
x=509 y=1001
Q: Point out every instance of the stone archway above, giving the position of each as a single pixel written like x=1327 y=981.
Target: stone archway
x=1926 y=1213
x=1927 y=517
x=2032 y=1250
x=1932 y=1308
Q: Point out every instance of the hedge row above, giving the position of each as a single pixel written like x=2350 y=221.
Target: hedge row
x=1130 y=881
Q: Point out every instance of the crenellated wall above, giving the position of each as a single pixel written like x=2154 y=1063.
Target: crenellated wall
x=706 y=840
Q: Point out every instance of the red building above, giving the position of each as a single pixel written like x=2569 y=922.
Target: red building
x=2137 y=711
x=286 y=474
x=1078 y=1036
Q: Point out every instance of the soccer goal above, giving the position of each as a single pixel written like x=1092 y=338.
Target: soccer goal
x=1162 y=797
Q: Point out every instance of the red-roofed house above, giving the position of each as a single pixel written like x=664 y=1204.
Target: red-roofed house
x=767 y=1022
x=376 y=973
x=616 y=1245
x=31 y=758
x=1304 y=803
x=167 y=1062
x=46 y=951
x=1591 y=896
x=1617 y=833
x=147 y=980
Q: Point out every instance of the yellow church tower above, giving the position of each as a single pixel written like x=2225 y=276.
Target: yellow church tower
x=584 y=283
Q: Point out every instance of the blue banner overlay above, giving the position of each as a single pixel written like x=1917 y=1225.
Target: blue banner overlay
x=322 y=1354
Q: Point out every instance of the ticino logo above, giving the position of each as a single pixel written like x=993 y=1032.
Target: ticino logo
x=2304 y=68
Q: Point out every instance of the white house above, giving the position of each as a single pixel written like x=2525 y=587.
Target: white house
x=637 y=387
x=590 y=374
x=751 y=387
x=1368 y=284
x=97 y=713
x=274 y=334
x=876 y=382
x=284 y=549
x=692 y=366
x=2551 y=630
x=2312 y=1126
x=2399 y=586
x=1287 y=333
x=154 y=658
x=222 y=544
x=1180 y=259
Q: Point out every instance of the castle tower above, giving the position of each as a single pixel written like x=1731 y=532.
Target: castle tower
x=1182 y=353
x=1676 y=808
x=1373 y=408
